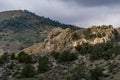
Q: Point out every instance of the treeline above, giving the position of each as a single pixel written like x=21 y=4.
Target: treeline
x=31 y=20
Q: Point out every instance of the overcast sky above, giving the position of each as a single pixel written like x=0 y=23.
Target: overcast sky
x=83 y=13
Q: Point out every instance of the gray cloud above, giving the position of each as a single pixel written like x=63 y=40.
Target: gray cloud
x=83 y=13
x=95 y=2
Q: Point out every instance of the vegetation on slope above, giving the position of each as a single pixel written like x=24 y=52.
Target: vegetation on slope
x=99 y=51
x=23 y=28
x=65 y=65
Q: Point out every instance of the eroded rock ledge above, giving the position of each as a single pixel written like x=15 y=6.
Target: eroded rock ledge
x=66 y=39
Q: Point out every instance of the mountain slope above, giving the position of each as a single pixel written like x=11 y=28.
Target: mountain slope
x=97 y=50
x=19 y=29
x=85 y=54
x=25 y=19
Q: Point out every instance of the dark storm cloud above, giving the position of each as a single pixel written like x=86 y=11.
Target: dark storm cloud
x=78 y=12
x=95 y=2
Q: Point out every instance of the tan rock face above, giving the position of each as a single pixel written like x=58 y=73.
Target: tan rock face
x=36 y=48
x=98 y=40
x=50 y=48
x=61 y=39
x=54 y=33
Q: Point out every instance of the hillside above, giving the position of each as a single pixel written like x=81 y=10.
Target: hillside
x=38 y=48
x=21 y=28
x=95 y=47
x=85 y=54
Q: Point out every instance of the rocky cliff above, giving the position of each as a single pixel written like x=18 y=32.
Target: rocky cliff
x=66 y=39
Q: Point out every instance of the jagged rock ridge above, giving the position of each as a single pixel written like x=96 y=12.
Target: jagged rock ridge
x=66 y=39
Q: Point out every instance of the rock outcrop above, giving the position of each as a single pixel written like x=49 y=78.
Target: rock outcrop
x=66 y=39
